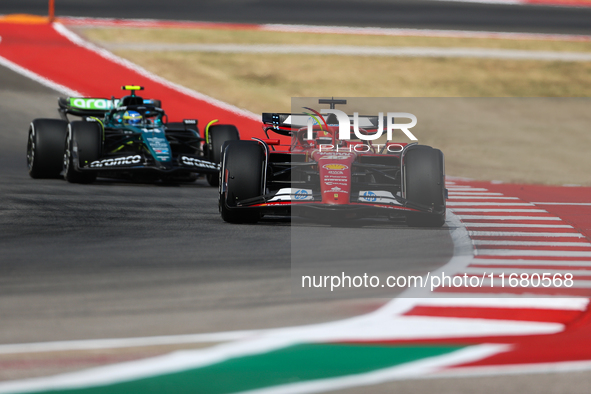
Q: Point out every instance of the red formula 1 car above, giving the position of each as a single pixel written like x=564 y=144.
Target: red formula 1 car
x=327 y=177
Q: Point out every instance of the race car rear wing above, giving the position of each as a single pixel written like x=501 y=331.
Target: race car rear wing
x=88 y=106
x=295 y=121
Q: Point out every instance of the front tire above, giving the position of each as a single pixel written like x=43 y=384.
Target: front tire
x=217 y=135
x=45 y=147
x=424 y=179
x=242 y=167
x=83 y=146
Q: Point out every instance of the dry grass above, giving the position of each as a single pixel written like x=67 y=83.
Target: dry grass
x=523 y=153
x=221 y=36
x=267 y=82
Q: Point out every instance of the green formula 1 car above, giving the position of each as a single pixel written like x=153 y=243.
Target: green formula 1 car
x=128 y=138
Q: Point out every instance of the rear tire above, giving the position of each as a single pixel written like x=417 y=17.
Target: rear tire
x=424 y=177
x=217 y=135
x=243 y=163
x=84 y=139
x=45 y=147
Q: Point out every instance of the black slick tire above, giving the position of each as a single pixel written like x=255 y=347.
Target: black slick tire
x=217 y=135
x=424 y=178
x=242 y=170
x=45 y=147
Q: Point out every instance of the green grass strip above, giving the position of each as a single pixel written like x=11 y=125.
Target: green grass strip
x=293 y=364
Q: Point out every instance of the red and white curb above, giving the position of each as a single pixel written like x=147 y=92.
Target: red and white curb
x=512 y=236
x=494 y=326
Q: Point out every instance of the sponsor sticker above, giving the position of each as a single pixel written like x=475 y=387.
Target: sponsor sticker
x=369 y=196
x=289 y=194
x=336 y=189
x=377 y=196
x=116 y=161
x=157 y=143
x=335 y=166
x=191 y=161
x=92 y=103
x=301 y=194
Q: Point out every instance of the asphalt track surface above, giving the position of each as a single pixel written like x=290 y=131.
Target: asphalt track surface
x=379 y=13
x=115 y=259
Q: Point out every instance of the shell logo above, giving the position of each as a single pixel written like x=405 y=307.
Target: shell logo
x=335 y=166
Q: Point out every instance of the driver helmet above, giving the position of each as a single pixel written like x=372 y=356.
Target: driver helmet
x=132 y=118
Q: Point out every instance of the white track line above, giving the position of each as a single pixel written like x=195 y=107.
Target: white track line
x=521 y=234
x=515 y=225
x=491 y=217
x=510 y=302
x=561 y=203
x=91 y=344
x=38 y=78
x=352 y=50
x=517 y=263
x=530 y=243
x=479 y=271
x=497 y=284
x=541 y=253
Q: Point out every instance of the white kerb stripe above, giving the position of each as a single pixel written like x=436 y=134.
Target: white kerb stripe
x=497 y=284
x=521 y=234
x=508 y=271
x=561 y=203
x=546 y=253
x=518 y=263
x=530 y=243
x=516 y=225
x=489 y=217
x=579 y=304
x=90 y=344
